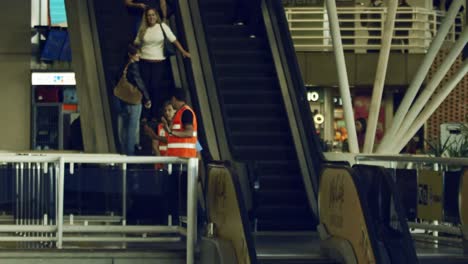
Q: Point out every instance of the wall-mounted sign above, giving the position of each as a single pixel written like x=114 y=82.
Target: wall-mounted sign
x=314 y=94
x=319 y=119
x=53 y=78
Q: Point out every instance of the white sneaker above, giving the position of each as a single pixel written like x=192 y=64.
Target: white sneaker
x=239 y=23
x=252 y=36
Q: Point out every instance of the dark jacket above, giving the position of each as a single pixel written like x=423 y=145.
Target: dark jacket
x=134 y=77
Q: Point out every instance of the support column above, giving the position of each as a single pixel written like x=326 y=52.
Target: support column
x=431 y=107
x=94 y=106
x=424 y=97
x=374 y=108
x=420 y=75
x=342 y=76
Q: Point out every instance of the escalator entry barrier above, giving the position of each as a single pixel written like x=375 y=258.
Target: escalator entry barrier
x=356 y=223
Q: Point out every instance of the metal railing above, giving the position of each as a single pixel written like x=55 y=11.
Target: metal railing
x=456 y=232
x=38 y=197
x=362 y=27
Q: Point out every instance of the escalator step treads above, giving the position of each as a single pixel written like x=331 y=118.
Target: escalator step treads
x=286 y=225
x=252 y=97
x=261 y=139
x=217 y=14
x=246 y=111
x=244 y=57
x=231 y=31
x=261 y=125
x=249 y=83
x=281 y=197
x=264 y=152
x=284 y=211
x=243 y=70
x=287 y=181
x=242 y=42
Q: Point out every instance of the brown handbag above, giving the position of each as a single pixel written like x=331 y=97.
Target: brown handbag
x=126 y=91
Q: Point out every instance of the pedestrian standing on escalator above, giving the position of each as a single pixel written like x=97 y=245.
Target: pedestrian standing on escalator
x=154 y=65
x=129 y=114
x=249 y=13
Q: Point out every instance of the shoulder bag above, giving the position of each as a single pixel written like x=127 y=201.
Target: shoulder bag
x=126 y=91
x=169 y=48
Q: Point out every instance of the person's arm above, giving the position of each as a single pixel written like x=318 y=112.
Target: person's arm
x=187 y=121
x=172 y=38
x=135 y=77
x=188 y=132
x=130 y=3
x=156 y=148
x=185 y=53
x=149 y=132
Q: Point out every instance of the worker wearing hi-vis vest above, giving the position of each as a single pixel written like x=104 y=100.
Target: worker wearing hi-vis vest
x=182 y=139
x=160 y=137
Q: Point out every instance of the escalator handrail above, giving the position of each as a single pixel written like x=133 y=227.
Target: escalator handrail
x=298 y=87
x=309 y=147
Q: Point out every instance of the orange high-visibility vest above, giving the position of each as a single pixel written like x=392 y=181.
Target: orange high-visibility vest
x=162 y=145
x=178 y=146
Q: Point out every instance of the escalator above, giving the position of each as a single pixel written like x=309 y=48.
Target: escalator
x=255 y=119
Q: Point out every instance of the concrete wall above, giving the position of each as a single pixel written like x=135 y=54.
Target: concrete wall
x=319 y=68
x=15 y=50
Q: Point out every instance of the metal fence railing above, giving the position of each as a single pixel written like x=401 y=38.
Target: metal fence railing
x=362 y=27
x=433 y=191
x=33 y=201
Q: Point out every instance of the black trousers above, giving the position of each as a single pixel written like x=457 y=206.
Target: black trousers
x=153 y=74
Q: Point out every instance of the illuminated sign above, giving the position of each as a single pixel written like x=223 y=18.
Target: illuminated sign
x=53 y=78
x=313 y=96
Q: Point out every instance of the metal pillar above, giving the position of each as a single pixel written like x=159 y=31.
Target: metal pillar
x=342 y=76
x=431 y=107
x=192 y=181
x=379 y=82
x=420 y=74
x=60 y=202
x=422 y=100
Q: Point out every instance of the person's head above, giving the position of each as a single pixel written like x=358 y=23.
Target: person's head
x=149 y=19
x=361 y=125
x=168 y=111
x=133 y=52
x=178 y=97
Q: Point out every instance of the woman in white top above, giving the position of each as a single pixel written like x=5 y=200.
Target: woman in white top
x=153 y=64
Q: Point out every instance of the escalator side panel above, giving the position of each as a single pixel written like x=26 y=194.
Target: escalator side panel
x=342 y=212
x=387 y=213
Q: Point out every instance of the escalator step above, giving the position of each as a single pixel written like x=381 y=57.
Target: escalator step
x=287 y=225
x=259 y=139
x=245 y=57
x=245 y=70
x=252 y=97
x=287 y=181
x=264 y=152
x=248 y=83
x=250 y=110
x=222 y=31
x=260 y=125
x=291 y=197
x=242 y=42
